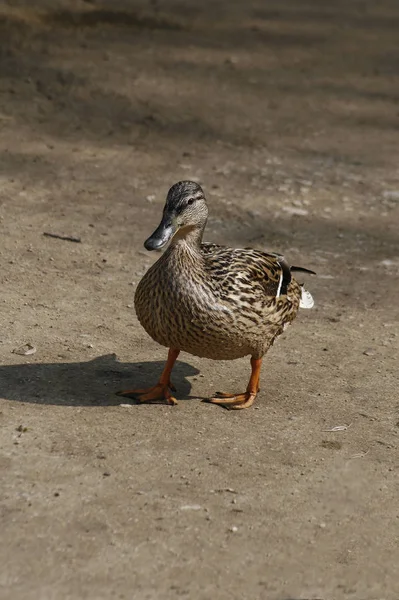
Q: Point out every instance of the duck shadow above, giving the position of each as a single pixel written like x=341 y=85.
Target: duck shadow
x=91 y=383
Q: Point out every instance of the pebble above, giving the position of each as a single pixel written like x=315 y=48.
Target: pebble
x=25 y=350
x=369 y=352
x=391 y=195
x=293 y=210
x=388 y=263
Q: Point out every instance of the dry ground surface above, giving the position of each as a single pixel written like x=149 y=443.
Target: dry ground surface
x=288 y=113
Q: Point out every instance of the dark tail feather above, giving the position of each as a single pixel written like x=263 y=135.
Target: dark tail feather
x=303 y=270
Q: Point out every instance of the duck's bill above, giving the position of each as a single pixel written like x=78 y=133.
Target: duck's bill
x=161 y=236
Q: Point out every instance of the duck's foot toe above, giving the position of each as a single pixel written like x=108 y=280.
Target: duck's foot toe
x=157 y=393
x=233 y=401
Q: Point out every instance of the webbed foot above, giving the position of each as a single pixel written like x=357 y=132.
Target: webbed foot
x=156 y=393
x=233 y=401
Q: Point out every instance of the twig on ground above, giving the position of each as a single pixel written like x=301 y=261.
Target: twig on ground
x=338 y=428
x=360 y=454
x=66 y=238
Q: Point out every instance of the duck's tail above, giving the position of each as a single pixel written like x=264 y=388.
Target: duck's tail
x=302 y=270
x=306 y=300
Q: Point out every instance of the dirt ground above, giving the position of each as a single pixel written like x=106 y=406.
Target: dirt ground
x=288 y=113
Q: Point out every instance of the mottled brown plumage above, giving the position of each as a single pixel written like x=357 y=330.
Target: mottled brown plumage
x=209 y=300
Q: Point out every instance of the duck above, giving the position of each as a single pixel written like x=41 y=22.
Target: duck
x=210 y=300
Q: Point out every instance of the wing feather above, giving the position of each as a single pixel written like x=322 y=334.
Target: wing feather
x=271 y=271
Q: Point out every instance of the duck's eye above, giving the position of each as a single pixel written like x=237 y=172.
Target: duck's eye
x=191 y=201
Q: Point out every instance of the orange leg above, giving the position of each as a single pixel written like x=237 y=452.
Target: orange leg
x=245 y=400
x=160 y=391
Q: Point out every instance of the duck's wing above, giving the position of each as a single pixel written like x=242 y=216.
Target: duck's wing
x=246 y=269
x=252 y=268
x=306 y=299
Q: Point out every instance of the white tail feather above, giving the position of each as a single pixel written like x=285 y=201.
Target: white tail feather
x=306 y=299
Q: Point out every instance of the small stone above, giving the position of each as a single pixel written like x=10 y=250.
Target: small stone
x=297 y=212
x=389 y=263
x=21 y=429
x=25 y=350
x=233 y=529
x=369 y=352
x=392 y=195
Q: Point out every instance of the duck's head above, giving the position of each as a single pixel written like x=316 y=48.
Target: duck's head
x=185 y=211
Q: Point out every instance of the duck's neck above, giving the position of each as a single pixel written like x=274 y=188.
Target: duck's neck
x=190 y=237
x=183 y=262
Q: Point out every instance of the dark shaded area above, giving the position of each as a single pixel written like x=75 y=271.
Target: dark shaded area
x=342 y=13
x=95 y=17
x=91 y=383
x=310 y=42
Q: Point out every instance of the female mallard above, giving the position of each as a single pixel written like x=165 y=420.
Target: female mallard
x=209 y=300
